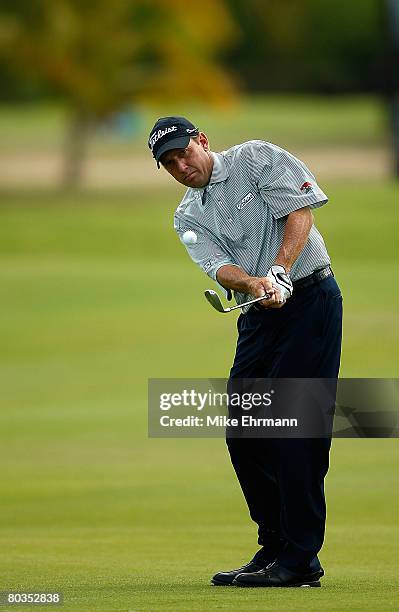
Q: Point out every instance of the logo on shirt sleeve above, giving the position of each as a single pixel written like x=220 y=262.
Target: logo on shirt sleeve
x=306 y=187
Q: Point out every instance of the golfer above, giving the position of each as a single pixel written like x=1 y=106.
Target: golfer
x=250 y=208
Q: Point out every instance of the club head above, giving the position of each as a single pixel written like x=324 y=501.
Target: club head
x=214 y=300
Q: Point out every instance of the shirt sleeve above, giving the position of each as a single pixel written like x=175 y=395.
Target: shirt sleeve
x=208 y=255
x=286 y=185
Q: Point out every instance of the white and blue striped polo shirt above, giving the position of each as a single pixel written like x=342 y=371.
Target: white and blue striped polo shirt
x=239 y=217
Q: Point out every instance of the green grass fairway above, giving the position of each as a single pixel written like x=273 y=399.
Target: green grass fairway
x=97 y=296
x=346 y=121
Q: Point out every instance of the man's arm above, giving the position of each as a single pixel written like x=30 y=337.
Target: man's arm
x=296 y=232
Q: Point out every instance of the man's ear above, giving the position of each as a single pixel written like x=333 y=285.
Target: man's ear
x=203 y=141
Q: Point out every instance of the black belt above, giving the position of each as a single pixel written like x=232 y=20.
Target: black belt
x=316 y=277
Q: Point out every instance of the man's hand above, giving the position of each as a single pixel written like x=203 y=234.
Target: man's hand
x=258 y=286
x=281 y=283
x=233 y=277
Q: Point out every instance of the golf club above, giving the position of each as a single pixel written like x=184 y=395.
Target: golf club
x=216 y=302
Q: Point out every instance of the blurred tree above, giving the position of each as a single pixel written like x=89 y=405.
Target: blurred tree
x=100 y=55
x=391 y=73
x=311 y=45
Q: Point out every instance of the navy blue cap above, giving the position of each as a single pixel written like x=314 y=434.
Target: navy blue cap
x=170 y=133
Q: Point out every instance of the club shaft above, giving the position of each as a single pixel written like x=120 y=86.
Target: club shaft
x=263 y=297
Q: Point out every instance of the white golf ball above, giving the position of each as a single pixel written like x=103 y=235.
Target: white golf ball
x=190 y=237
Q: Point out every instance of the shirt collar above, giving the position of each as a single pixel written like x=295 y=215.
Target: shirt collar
x=219 y=171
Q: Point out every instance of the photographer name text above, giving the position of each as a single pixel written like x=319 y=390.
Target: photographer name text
x=246 y=420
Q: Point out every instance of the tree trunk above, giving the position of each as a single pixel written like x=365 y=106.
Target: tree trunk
x=391 y=13
x=394 y=103
x=75 y=148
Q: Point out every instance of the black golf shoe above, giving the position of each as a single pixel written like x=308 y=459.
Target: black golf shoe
x=260 y=560
x=274 y=575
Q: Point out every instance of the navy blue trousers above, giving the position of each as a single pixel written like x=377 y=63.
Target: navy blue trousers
x=283 y=479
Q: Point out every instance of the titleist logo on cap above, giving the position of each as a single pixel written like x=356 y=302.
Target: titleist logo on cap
x=160 y=133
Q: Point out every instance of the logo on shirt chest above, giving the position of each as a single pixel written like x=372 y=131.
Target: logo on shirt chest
x=245 y=200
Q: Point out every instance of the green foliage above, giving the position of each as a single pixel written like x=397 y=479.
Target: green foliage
x=312 y=45
x=100 y=55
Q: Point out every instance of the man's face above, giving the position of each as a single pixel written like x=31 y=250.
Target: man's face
x=191 y=166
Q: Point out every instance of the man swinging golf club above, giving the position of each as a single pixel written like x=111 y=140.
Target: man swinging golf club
x=246 y=220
